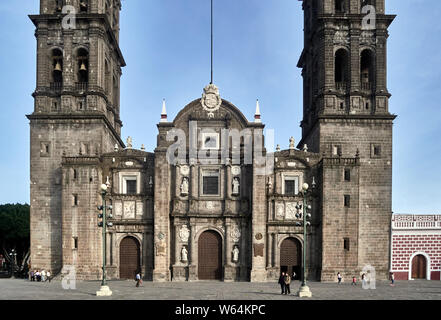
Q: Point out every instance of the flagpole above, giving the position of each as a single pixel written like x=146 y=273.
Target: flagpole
x=211 y=42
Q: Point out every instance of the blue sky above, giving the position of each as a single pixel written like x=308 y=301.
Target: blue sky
x=166 y=44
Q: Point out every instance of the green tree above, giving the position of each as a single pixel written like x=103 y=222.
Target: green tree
x=15 y=232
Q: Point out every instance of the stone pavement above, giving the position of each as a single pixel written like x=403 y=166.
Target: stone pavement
x=12 y=289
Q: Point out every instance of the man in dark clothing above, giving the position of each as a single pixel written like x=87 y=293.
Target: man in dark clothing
x=282 y=282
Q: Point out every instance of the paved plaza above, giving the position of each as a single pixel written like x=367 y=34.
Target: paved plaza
x=13 y=289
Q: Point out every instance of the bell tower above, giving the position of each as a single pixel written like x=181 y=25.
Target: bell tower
x=346 y=119
x=76 y=111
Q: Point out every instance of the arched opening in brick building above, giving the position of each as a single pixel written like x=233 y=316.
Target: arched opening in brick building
x=129 y=258
x=57 y=69
x=210 y=256
x=367 y=73
x=341 y=69
x=419 y=267
x=290 y=257
x=340 y=6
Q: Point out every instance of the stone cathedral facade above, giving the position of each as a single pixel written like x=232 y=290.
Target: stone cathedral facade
x=206 y=216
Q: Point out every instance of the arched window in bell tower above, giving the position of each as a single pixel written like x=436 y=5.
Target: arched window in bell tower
x=58 y=6
x=367 y=73
x=84 y=6
x=82 y=68
x=340 y=6
x=56 y=69
x=341 y=69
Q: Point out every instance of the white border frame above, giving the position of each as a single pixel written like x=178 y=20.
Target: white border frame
x=428 y=271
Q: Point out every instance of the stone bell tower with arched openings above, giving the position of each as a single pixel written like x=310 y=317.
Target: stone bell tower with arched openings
x=346 y=119
x=76 y=113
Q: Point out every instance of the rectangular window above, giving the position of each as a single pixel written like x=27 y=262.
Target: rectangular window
x=347 y=174
x=75 y=200
x=131 y=187
x=336 y=150
x=346 y=244
x=290 y=185
x=210 y=141
x=75 y=242
x=45 y=149
x=210 y=182
x=375 y=151
x=347 y=201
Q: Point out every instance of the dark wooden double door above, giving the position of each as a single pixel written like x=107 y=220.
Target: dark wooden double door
x=210 y=256
x=419 y=267
x=129 y=258
x=290 y=257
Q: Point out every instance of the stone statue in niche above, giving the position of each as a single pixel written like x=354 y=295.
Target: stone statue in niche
x=236 y=185
x=184 y=254
x=236 y=254
x=184 y=186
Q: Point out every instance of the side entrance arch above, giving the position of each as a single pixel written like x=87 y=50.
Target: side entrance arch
x=290 y=257
x=419 y=267
x=210 y=256
x=129 y=258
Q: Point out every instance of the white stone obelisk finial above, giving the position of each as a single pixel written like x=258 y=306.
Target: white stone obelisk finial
x=257 y=114
x=164 y=112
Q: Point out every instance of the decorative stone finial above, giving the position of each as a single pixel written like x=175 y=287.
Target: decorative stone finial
x=211 y=100
x=291 y=143
x=257 y=114
x=142 y=147
x=116 y=148
x=305 y=147
x=129 y=142
x=278 y=148
x=164 y=112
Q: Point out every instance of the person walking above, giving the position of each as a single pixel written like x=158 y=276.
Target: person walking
x=49 y=276
x=138 y=279
x=38 y=275
x=354 y=281
x=339 y=278
x=43 y=276
x=293 y=277
x=392 y=279
x=287 y=281
x=363 y=280
x=32 y=275
x=282 y=282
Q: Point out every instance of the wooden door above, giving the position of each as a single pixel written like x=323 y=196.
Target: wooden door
x=419 y=267
x=290 y=257
x=210 y=256
x=129 y=258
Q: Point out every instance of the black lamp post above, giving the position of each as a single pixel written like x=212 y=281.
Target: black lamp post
x=304 y=213
x=104 y=290
x=13 y=255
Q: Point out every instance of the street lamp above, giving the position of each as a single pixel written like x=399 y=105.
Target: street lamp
x=306 y=209
x=13 y=255
x=104 y=290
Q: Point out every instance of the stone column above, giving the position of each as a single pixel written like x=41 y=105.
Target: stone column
x=178 y=180
x=354 y=60
x=194 y=181
x=228 y=182
x=192 y=245
x=274 y=249
x=269 y=250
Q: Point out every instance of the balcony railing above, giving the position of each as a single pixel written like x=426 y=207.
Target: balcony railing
x=81 y=86
x=56 y=86
x=366 y=86
x=341 y=86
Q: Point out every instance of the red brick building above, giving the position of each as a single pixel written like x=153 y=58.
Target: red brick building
x=416 y=246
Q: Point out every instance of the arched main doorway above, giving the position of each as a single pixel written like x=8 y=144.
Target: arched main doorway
x=210 y=256
x=290 y=257
x=419 y=267
x=129 y=258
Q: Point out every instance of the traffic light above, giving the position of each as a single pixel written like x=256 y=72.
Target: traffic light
x=108 y=216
